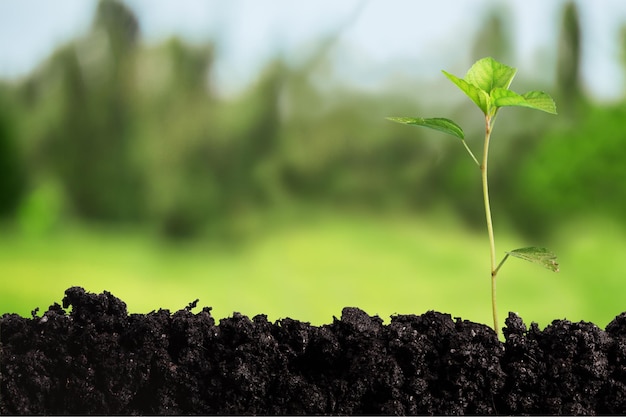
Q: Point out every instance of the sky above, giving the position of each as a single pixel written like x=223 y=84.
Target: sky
x=377 y=38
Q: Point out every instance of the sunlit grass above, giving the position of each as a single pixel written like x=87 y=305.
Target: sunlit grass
x=310 y=269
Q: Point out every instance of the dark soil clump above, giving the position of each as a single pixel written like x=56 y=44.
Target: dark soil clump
x=99 y=360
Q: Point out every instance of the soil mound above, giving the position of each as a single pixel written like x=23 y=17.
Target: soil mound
x=98 y=359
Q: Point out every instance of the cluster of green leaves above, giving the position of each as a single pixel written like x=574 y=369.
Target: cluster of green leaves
x=487 y=85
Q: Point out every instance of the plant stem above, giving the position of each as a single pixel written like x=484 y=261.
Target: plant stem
x=492 y=245
x=502 y=262
x=470 y=152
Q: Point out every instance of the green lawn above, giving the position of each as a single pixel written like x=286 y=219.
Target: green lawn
x=310 y=269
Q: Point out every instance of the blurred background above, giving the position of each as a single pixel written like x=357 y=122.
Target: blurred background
x=238 y=152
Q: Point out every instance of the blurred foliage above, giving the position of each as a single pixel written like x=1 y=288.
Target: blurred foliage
x=576 y=170
x=12 y=173
x=112 y=131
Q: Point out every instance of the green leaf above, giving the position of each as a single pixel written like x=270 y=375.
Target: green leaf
x=478 y=96
x=541 y=101
x=488 y=74
x=541 y=256
x=537 y=100
x=502 y=97
x=438 y=123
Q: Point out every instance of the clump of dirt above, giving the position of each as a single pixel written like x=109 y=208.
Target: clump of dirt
x=99 y=360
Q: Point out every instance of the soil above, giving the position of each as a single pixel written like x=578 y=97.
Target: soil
x=98 y=359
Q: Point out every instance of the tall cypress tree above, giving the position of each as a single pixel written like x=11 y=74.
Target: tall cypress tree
x=568 y=64
x=494 y=39
x=92 y=145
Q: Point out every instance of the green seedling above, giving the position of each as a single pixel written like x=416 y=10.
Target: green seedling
x=487 y=84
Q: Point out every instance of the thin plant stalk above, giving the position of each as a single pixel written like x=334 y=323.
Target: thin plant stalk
x=492 y=244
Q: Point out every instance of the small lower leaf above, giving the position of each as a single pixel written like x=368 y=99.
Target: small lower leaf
x=541 y=256
x=438 y=123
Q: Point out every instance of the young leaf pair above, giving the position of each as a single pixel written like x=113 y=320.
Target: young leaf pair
x=487 y=85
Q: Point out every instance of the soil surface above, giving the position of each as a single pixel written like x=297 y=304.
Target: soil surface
x=97 y=359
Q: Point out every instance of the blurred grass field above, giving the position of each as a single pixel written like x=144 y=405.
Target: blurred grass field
x=309 y=269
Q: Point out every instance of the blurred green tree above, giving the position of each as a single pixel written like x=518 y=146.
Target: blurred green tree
x=494 y=39
x=179 y=137
x=569 y=59
x=258 y=143
x=12 y=175
x=91 y=145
